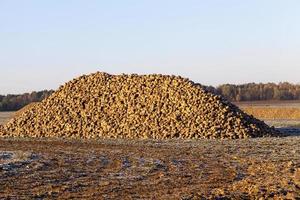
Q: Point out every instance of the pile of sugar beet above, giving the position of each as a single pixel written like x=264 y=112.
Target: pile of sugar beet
x=155 y=106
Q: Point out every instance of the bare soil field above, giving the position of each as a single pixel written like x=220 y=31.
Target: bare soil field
x=264 y=168
x=267 y=168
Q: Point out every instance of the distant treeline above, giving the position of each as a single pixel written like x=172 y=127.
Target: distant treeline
x=244 y=92
x=15 y=102
x=258 y=91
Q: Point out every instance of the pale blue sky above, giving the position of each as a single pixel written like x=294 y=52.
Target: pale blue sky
x=44 y=43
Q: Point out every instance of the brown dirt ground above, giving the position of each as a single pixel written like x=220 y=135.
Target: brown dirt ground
x=266 y=168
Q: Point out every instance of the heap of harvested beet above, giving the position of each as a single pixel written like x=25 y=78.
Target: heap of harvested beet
x=134 y=106
x=1 y=130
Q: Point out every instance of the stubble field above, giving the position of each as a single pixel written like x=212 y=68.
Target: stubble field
x=5 y=116
x=267 y=168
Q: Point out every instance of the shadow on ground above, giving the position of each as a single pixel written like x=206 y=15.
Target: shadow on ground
x=289 y=131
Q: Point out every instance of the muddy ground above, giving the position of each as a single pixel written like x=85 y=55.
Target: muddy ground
x=132 y=169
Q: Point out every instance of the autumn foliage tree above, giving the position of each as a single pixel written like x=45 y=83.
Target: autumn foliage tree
x=260 y=91
x=15 y=102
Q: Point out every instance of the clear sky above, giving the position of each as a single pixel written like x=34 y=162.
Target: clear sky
x=44 y=43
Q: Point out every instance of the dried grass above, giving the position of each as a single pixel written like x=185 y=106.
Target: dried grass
x=273 y=112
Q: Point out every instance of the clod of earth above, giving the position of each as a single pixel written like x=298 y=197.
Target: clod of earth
x=101 y=105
